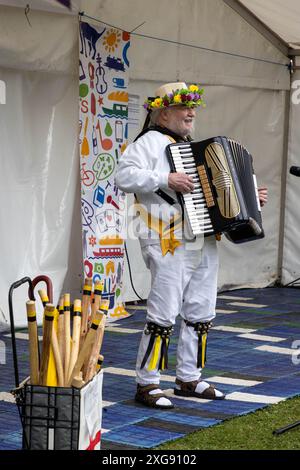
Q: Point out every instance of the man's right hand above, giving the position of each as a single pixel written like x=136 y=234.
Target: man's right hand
x=180 y=182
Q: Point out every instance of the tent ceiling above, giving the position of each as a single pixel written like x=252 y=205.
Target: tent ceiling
x=281 y=16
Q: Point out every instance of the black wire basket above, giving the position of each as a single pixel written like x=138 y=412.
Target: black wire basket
x=51 y=417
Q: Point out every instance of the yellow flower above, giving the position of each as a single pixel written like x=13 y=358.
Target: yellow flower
x=177 y=99
x=193 y=88
x=157 y=103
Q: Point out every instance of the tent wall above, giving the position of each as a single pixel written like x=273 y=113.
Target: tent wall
x=256 y=118
x=39 y=182
x=245 y=99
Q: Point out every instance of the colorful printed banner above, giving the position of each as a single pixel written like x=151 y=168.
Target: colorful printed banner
x=103 y=128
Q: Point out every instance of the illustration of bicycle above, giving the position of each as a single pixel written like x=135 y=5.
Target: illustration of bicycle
x=87 y=176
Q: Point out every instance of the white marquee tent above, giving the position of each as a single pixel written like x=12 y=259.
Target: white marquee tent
x=241 y=51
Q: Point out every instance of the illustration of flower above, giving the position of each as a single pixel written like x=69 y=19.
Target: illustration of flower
x=92 y=240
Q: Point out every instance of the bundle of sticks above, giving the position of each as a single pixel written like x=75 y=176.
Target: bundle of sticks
x=72 y=338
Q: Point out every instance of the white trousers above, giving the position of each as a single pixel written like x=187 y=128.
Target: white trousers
x=184 y=283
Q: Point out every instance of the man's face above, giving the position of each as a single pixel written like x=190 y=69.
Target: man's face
x=180 y=119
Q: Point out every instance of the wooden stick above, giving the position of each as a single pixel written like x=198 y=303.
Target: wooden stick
x=67 y=341
x=86 y=348
x=98 y=289
x=99 y=362
x=47 y=335
x=33 y=342
x=86 y=302
x=78 y=381
x=57 y=357
x=43 y=296
x=61 y=330
x=75 y=336
x=93 y=358
x=51 y=373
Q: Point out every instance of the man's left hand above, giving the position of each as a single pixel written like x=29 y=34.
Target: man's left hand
x=263 y=196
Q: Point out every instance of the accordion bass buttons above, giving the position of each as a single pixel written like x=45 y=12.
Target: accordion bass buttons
x=205 y=186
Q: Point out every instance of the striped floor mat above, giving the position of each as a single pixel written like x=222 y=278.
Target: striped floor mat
x=252 y=356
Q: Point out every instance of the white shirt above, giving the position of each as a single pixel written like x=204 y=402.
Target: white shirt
x=143 y=169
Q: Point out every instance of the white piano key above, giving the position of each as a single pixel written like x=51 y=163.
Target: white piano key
x=196 y=201
x=200 y=221
x=196 y=209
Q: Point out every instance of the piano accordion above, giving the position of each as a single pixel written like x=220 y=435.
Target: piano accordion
x=225 y=198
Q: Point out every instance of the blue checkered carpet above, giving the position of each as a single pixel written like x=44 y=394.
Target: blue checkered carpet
x=250 y=357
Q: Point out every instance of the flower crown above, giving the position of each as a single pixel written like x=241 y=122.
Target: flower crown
x=191 y=96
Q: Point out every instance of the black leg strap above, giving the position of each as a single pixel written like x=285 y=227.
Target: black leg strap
x=155 y=331
x=201 y=329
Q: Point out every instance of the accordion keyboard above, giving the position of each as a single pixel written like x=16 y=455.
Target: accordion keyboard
x=195 y=205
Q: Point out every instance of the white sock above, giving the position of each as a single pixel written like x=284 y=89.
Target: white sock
x=162 y=401
x=201 y=386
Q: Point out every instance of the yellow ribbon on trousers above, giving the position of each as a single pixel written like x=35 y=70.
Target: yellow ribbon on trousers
x=168 y=241
x=203 y=351
x=155 y=356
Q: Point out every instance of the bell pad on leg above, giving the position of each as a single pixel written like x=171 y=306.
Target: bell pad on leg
x=201 y=329
x=157 y=349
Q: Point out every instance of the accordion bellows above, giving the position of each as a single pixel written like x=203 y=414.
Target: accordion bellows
x=225 y=198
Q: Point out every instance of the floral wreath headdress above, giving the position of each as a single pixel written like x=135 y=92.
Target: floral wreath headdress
x=190 y=96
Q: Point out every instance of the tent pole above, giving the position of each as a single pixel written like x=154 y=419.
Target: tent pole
x=284 y=171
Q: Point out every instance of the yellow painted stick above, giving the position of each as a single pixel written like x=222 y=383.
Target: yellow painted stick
x=33 y=342
x=67 y=342
x=43 y=296
x=85 y=307
x=98 y=289
x=96 y=348
x=75 y=336
x=58 y=361
x=51 y=372
x=61 y=330
x=99 y=362
x=47 y=335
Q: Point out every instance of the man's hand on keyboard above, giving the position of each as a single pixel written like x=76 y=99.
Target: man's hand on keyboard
x=180 y=182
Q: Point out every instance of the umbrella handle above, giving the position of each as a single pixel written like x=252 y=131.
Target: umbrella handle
x=48 y=283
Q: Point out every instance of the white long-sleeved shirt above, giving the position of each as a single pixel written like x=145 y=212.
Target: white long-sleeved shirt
x=143 y=169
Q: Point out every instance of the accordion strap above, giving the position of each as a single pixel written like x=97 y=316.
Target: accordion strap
x=170 y=200
x=173 y=137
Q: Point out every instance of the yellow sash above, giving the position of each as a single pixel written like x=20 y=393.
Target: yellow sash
x=168 y=241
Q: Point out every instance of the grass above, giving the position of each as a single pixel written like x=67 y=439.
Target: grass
x=249 y=432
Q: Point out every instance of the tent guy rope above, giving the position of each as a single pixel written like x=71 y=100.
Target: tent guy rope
x=194 y=46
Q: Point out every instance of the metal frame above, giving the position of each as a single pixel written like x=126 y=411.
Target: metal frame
x=41 y=409
x=284 y=172
x=294 y=52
